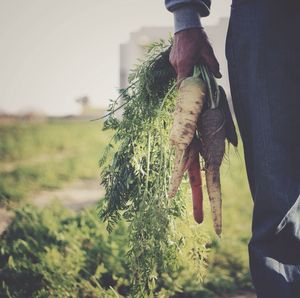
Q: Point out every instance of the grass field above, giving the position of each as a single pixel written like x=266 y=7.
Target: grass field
x=38 y=156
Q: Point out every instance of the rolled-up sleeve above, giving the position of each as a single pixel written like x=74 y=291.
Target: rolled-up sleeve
x=187 y=13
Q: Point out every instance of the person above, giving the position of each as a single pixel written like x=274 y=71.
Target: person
x=263 y=53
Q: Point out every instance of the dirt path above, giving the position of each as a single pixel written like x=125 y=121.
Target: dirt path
x=5 y=219
x=75 y=196
x=10 y=166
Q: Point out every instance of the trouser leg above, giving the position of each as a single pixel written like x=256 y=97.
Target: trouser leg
x=263 y=53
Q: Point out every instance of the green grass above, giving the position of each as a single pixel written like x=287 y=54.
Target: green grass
x=25 y=140
x=38 y=156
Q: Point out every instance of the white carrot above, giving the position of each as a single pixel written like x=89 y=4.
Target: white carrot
x=191 y=95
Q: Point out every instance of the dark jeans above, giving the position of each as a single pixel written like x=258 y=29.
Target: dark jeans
x=263 y=53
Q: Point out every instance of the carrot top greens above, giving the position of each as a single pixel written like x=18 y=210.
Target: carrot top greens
x=136 y=170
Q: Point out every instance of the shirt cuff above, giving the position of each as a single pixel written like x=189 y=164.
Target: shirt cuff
x=186 y=17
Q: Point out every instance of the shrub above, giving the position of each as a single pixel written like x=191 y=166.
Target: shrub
x=56 y=253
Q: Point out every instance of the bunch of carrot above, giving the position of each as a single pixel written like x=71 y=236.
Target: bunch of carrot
x=202 y=122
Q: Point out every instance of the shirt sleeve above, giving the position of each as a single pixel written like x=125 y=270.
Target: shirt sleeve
x=187 y=13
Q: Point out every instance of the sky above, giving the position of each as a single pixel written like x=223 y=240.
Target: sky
x=54 y=51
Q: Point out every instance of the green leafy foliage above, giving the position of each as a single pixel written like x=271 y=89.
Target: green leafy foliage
x=136 y=178
x=55 y=253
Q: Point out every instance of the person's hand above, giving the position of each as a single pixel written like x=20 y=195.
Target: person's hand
x=190 y=47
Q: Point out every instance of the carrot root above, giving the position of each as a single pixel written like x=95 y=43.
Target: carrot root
x=190 y=101
x=214 y=194
x=181 y=157
x=212 y=131
x=196 y=186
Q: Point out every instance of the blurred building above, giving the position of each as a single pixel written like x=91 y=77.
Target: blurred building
x=135 y=48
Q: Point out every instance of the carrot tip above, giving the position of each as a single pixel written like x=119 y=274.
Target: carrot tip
x=219 y=233
x=171 y=195
x=198 y=220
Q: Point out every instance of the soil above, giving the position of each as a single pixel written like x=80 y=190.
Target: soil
x=75 y=196
x=5 y=219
